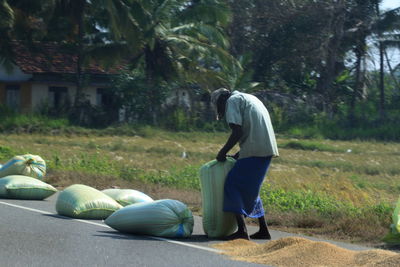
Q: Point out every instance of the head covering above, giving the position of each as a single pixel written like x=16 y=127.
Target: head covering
x=217 y=93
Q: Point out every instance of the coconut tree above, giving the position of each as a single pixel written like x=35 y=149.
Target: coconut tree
x=385 y=29
x=6 y=23
x=179 y=40
x=22 y=20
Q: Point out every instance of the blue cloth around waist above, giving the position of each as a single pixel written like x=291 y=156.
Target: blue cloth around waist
x=242 y=186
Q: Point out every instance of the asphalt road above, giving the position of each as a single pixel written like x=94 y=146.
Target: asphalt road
x=32 y=234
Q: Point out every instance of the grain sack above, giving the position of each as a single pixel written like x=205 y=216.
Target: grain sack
x=165 y=218
x=85 y=202
x=396 y=218
x=28 y=165
x=393 y=237
x=24 y=187
x=126 y=197
x=216 y=223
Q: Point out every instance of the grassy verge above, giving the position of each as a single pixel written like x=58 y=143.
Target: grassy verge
x=345 y=190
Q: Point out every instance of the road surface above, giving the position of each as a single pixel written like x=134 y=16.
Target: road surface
x=32 y=234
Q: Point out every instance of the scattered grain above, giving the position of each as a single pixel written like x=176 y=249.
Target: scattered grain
x=297 y=251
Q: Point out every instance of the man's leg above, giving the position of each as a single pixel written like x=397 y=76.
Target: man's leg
x=263 y=233
x=242 y=230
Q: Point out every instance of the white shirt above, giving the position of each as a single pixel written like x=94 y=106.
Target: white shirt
x=258 y=139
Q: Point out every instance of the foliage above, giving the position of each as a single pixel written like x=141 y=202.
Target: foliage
x=141 y=103
x=6 y=153
x=315 y=50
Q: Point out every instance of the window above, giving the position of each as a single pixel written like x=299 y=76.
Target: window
x=13 y=97
x=104 y=97
x=58 y=97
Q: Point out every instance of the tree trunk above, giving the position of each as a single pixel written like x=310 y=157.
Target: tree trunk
x=356 y=88
x=79 y=63
x=328 y=69
x=381 y=73
x=381 y=83
x=392 y=74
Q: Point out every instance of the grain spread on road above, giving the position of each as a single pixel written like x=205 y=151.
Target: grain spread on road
x=297 y=251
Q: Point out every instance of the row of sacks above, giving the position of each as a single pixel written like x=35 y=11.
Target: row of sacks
x=127 y=210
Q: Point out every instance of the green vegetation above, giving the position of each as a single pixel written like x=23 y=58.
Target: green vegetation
x=312 y=91
x=308 y=145
x=315 y=185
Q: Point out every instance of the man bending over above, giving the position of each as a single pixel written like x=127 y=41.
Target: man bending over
x=251 y=127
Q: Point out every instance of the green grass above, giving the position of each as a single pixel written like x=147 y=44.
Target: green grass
x=309 y=145
x=6 y=153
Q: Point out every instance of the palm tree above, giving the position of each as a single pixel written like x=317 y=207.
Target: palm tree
x=22 y=20
x=179 y=40
x=386 y=24
x=6 y=23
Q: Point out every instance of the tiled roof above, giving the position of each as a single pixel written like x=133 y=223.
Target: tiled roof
x=53 y=58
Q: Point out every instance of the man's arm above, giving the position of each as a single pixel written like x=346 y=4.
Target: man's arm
x=235 y=136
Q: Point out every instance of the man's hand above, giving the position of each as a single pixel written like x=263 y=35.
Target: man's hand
x=232 y=140
x=236 y=156
x=221 y=157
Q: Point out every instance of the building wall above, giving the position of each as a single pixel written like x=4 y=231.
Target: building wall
x=40 y=93
x=26 y=97
x=2 y=93
x=15 y=75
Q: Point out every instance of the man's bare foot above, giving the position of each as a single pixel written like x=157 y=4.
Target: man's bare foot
x=261 y=235
x=237 y=235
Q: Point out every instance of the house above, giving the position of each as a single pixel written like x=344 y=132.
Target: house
x=46 y=77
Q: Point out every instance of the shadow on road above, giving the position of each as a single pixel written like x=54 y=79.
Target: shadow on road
x=128 y=236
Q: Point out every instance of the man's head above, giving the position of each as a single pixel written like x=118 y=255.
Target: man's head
x=218 y=99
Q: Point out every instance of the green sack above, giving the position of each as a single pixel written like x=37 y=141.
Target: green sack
x=393 y=237
x=24 y=187
x=216 y=223
x=396 y=219
x=85 y=202
x=165 y=218
x=126 y=197
x=27 y=165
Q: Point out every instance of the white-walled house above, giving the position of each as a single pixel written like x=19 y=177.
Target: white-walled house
x=47 y=77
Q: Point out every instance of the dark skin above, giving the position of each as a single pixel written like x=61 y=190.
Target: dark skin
x=236 y=134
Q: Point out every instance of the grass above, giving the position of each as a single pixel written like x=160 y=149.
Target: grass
x=341 y=189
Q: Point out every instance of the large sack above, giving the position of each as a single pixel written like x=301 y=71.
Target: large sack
x=216 y=223
x=126 y=197
x=396 y=218
x=85 y=202
x=165 y=218
x=24 y=187
x=28 y=165
x=393 y=237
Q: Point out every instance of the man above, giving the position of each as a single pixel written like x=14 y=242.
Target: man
x=251 y=127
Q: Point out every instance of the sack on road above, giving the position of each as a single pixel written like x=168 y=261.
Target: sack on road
x=27 y=165
x=85 y=202
x=126 y=197
x=164 y=218
x=216 y=223
x=396 y=219
x=24 y=187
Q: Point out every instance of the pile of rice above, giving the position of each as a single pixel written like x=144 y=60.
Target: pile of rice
x=297 y=251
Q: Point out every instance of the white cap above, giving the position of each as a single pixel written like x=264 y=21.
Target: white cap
x=216 y=94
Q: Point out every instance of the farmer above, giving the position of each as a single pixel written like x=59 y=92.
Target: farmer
x=250 y=126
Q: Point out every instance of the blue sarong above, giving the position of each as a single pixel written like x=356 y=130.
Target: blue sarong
x=242 y=186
